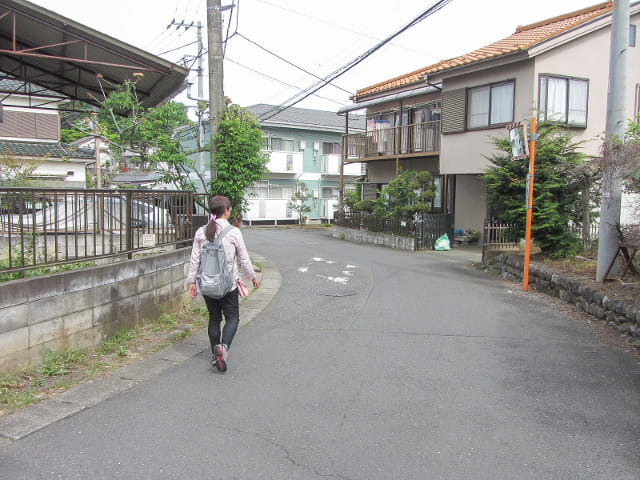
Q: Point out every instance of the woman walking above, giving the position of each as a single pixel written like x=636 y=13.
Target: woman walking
x=234 y=247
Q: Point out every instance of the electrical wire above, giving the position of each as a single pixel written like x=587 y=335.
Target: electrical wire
x=178 y=48
x=280 y=81
x=289 y=62
x=342 y=27
x=345 y=68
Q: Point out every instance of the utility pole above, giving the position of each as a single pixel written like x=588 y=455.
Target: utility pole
x=216 y=93
x=200 y=50
x=612 y=178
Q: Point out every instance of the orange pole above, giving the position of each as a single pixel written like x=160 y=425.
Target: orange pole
x=527 y=238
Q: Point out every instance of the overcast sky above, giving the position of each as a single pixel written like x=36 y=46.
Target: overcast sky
x=319 y=36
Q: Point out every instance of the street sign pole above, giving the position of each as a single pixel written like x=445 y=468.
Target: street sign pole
x=527 y=239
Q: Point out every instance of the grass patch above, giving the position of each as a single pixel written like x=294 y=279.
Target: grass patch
x=61 y=370
x=58 y=364
x=116 y=343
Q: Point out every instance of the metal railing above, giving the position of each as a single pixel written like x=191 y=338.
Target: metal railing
x=43 y=227
x=425 y=228
x=401 y=140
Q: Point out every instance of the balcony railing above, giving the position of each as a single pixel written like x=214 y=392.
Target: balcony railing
x=331 y=166
x=389 y=142
x=285 y=162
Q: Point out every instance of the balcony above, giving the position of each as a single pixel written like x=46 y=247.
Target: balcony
x=331 y=166
x=285 y=162
x=403 y=141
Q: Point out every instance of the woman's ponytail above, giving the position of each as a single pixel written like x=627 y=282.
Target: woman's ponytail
x=217 y=206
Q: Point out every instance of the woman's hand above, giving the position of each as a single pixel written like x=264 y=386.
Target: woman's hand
x=256 y=282
x=193 y=292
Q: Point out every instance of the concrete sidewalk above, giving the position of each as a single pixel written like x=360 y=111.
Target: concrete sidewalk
x=30 y=419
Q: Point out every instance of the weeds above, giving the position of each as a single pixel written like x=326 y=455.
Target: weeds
x=25 y=257
x=61 y=370
x=115 y=343
x=57 y=364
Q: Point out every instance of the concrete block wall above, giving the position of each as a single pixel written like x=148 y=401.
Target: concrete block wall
x=375 y=238
x=81 y=308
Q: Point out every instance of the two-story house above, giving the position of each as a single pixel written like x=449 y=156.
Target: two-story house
x=30 y=132
x=303 y=146
x=441 y=118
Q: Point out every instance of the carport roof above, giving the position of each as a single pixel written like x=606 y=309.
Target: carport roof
x=47 y=49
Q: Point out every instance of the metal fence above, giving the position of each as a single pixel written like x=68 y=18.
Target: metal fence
x=425 y=229
x=44 y=227
x=430 y=227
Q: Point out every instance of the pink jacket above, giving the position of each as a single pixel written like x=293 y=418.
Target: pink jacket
x=233 y=244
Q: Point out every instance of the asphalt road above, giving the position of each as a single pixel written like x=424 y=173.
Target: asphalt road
x=369 y=363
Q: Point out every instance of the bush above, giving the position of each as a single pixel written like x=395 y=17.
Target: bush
x=557 y=190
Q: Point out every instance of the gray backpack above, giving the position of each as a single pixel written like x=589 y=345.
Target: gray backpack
x=214 y=278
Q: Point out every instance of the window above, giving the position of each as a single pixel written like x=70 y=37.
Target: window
x=636 y=110
x=490 y=105
x=281 y=145
x=563 y=100
x=330 y=148
x=632 y=35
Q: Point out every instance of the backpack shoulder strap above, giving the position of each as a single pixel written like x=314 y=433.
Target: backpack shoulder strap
x=223 y=233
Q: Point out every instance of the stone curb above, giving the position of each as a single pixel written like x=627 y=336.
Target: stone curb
x=34 y=417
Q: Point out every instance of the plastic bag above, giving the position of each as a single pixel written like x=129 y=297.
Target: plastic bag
x=442 y=243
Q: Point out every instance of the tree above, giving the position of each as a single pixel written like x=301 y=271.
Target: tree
x=351 y=199
x=408 y=194
x=557 y=189
x=16 y=172
x=239 y=160
x=298 y=202
x=147 y=135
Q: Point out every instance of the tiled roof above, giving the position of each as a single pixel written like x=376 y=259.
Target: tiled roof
x=10 y=84
x=305 y=118
x=523 y=38
x=39 y=149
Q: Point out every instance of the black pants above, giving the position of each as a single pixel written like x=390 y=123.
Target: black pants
x=227 y=305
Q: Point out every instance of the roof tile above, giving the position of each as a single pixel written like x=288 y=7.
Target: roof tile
x=524 y=37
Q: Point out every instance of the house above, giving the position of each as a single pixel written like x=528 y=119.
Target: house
x=30 y=132
x=304 y=147
x=441 y=118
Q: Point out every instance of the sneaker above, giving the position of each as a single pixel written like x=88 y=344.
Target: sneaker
x=219 y=354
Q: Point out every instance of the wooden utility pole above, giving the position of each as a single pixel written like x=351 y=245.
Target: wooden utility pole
x=216 y=93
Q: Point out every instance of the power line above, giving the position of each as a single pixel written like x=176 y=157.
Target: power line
x=342 y=27
x=178 y=48
x=289 y=62
x=280 y=81
x=345 y=68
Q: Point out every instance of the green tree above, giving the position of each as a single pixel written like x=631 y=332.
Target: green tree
x=351 y=199
x=408 y=194
x=16 y=172
x=298 y=202
x=239 y=161
x=557 y=189
x=147 y=135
